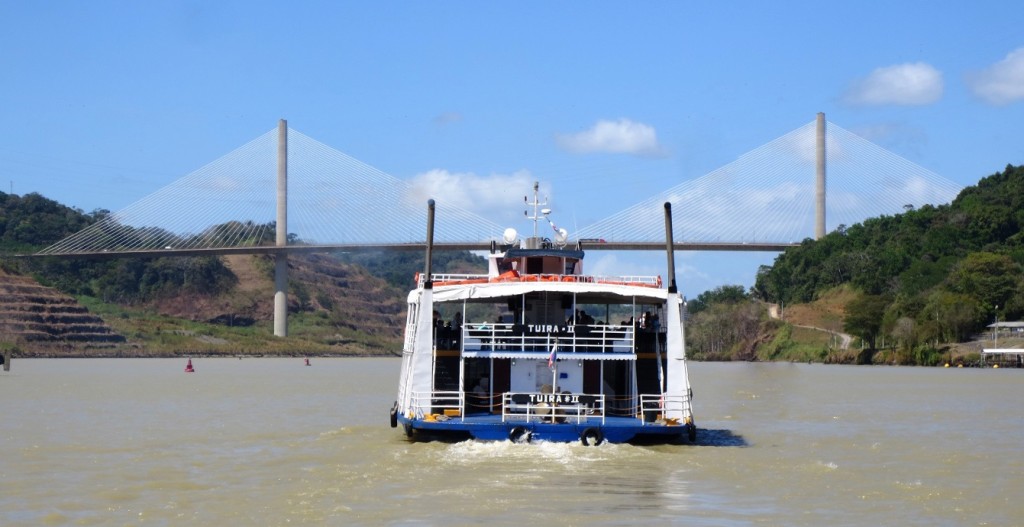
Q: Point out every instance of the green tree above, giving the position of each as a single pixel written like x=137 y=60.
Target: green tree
x=864 y=317
x=990 y=278
x=956 y=315
x=729 y=294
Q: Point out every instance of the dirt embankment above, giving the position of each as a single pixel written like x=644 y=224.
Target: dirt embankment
x=825 y=314
x=334 y=308
x=36 y=316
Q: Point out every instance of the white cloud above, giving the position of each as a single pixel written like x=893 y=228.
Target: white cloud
x=607 y=263
x=493 y=197
x=1003 y=82
x=617 y=137
x=893 y=135
x=448 y=118
x=904 y=84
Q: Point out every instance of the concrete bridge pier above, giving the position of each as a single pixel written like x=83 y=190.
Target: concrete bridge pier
x=281 y=258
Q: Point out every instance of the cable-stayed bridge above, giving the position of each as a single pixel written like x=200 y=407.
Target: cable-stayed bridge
x=285 y=192
x=767 y=199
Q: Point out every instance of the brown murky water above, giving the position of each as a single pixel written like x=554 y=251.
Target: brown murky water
x=272 y=442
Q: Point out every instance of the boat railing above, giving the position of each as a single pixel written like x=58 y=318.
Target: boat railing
x=552 y=407
x=442 y=279
x=595 y=338
x=447 y=403
x=655 y=406
x=646 y=281
x=451 y=278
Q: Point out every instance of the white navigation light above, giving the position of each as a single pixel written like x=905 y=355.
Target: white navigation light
x=545 y=211
x=561 y=236
x=509 y=236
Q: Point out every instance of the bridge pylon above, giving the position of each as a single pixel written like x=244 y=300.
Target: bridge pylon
x=281 y=258
x=819 y=187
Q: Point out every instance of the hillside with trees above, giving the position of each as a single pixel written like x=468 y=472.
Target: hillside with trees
x=922 y=280
x=338 y=304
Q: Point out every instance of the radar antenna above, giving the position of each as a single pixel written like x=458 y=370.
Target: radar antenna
x=538 y=213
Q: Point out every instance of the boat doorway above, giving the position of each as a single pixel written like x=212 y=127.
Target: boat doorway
x=485 y=380
x=615 y=379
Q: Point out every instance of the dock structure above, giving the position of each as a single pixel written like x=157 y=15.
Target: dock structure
x=1012 y=333
x=1003 y=357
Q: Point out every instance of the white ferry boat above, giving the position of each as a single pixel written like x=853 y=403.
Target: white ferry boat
x=570 y=356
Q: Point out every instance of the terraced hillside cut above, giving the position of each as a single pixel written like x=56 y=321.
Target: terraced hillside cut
x=31 y=313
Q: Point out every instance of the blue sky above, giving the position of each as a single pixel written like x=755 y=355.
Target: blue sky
x=106 y=102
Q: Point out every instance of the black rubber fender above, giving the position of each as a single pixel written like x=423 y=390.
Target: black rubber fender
x=591 y=437
x=691 y=431
x=394 y=415
x=520 y=434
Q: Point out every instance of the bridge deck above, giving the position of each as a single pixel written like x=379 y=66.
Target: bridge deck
x=363 y=247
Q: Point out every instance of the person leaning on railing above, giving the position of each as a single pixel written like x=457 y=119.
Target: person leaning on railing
x=480 y=398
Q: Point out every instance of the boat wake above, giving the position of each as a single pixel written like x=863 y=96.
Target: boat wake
x=542 y=452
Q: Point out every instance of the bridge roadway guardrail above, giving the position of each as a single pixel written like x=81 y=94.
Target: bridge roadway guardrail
x=416 y=246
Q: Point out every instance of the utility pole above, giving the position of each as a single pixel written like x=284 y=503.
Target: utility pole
x=995 y=329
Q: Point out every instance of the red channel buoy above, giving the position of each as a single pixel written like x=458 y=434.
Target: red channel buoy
x=307 y=362
x=189 y=368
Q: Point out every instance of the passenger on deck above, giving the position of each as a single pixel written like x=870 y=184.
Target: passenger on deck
x=437 y=328
x=482 y=387
x=481 y=398
x=645 y=321
x=446 y=336
x=583 y=318
x=457 y=329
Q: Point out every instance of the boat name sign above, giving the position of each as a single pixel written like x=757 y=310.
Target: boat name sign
x=550 y=328
x=558 y=398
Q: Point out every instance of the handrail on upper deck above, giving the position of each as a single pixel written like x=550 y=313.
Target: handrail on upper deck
x=598 y=338
x=451 y=279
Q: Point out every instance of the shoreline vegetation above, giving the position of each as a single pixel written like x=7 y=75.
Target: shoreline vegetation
x=915 y=288
x=805 y=333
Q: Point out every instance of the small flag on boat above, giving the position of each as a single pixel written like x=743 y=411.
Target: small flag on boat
x=553 y=356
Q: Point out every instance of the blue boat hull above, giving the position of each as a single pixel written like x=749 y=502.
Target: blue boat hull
x=492 y=428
